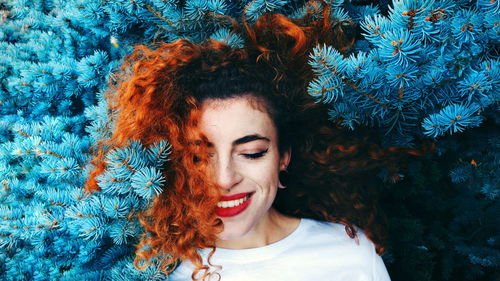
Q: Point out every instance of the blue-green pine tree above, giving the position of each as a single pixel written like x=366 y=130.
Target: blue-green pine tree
x=419 y=70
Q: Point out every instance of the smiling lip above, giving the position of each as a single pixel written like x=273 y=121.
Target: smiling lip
x=233 y=211
x=234 y=196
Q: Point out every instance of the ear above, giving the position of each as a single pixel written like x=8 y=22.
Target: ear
x=285 y=159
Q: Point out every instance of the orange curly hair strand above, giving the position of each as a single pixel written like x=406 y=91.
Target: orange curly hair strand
x=150 y=108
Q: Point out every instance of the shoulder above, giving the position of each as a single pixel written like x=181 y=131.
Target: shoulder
x=349 y=256
x=336 y=233
x=331 y=240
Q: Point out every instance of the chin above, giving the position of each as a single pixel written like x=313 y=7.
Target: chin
x=228 y=235
x=224 y=236
x=232 y=231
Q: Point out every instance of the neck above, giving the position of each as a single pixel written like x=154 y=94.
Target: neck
x=272 y=228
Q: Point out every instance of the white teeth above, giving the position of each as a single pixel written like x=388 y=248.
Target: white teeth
x=232 y=203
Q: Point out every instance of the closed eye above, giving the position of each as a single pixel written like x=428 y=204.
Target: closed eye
x=255 y=155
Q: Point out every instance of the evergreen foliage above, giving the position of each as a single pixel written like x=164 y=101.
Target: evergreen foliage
x=420 y=69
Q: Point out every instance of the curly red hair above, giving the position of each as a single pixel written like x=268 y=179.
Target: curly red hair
x=155 y=100
x=182 y=218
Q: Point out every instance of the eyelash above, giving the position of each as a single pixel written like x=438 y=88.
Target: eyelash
x=255 y=155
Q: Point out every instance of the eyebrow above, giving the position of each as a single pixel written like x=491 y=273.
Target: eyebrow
x=245 y=139
x=250 y=138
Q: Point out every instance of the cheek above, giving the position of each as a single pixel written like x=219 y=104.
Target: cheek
x=263 y=174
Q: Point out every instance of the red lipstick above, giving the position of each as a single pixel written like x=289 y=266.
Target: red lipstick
x=233 y=211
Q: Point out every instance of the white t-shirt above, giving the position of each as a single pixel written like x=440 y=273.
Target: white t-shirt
x=314 y=251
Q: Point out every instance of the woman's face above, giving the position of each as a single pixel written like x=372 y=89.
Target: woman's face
x=243 y=150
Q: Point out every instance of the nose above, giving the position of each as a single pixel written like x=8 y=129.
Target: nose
x=227 y=175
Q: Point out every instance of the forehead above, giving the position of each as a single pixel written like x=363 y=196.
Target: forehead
x=255 y=102
x=229 y=119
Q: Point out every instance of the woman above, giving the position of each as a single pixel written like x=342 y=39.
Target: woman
x=260 y=184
